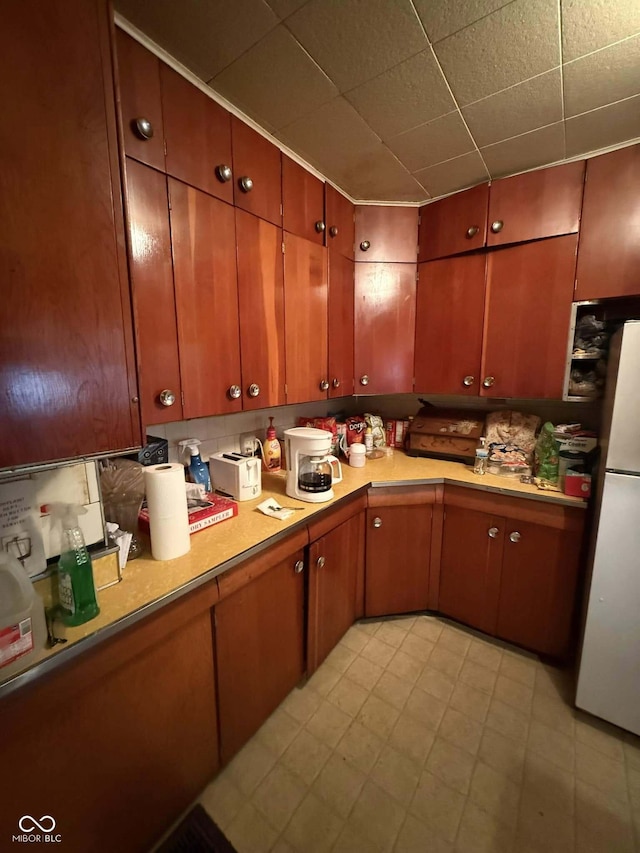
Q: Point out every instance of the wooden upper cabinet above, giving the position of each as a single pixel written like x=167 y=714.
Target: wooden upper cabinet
x=454 y=225
x=67 y=372
x=385 y=313
x=204 y=263
x=153 y=295
x=305 y=299
x=544 y=203
x=257 y=173
x=528 y=308
x=138 y=77
x=341 y=319
x=609 y=251
x=386 y=233
x=261 y=305
x=340 y=222
x=198 y=136
x=302 y=202
x=449 y=322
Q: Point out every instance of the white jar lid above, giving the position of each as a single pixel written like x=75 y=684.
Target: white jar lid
x=357 y=449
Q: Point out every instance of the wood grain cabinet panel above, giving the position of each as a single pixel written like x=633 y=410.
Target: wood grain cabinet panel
x=609 y=251
x=341 y=321
x=205 y=275
x=257 y=159
x=261 y=306
x=454 y=225
x=140 y=101
x=544 y=203
x=67 y=372
x=340 y=221
x=386 y=233
x=449 y=319
x=152 y=293
x=385 y=311
x=302 y=202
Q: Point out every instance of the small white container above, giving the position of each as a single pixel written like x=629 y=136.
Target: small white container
x=357 y=455
x=23 y=629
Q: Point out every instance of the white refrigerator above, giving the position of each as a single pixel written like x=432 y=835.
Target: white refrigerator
x=609 y=671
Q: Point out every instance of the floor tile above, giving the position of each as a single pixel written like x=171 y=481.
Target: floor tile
x=461 y=731
x=360 y=746
x=339 y=784
x=428 y=628
x=314 y=827
x=405 y=666
x=481 y=832
x=549 y=828
x=249 y=831
x=451 y=764
x=602 y=772
x=306 y=756
x=391 y=634
x=417 y=837
x=378 y=652
x=393 y=689
x=369 y=626
x=412 y=738
x=282 y=846
x=278 y=731
x=427 y=709
x=378 y=716
x=348 y=696
x=396 y=774
x=364 y=672
x=518 y=668
x=508 y=721
x=302 y=703
x=555 y=682
x=631 y=746
x=455 y=640
x=379 y=815
x=324 y=679
x=328 y=723
x=547 y=786
x=478 y=676
x=340 y=658
x=278 y=796
x=503 y=754
x=249 y=767
x=602 y=736
x=485 y=653
x=470 y=701
x=222 y=800
x=555 y=747
x=446 y=661
x=511 y=692
x=554 y=712
x=436 y=683
x=438 y=806
x=417 y=647
x=353 y=840
x=494 y=792
x=355 y=640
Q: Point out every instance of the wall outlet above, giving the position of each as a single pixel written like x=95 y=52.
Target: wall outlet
x=248 y=444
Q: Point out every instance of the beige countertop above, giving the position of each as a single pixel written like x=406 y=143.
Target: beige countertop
x=149 y=584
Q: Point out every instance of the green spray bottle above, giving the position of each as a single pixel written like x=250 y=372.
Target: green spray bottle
x=76 y=589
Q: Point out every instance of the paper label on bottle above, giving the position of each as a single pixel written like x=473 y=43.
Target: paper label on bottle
x=15 y=641
x=65 y=592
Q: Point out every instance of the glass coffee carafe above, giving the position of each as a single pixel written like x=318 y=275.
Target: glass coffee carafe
x=314 y=474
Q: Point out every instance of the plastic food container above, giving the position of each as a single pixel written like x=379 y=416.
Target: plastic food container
x=23 y=629
x=577 y=483
x=357 y=455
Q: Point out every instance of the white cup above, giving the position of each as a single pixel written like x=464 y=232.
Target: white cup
x=357 y=455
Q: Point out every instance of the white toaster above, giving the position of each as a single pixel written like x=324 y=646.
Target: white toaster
x=238 y=477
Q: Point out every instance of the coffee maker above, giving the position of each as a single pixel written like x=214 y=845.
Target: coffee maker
x=310 y=472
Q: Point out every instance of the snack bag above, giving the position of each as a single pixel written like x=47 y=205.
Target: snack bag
x=355 y=430
x=546 y=455
x=377 y=429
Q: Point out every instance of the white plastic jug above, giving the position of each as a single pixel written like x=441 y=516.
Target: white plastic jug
x=23 y=628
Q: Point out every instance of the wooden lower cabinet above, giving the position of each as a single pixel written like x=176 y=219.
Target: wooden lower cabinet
x=398 y=549
x=118 y=742
x=259 y=630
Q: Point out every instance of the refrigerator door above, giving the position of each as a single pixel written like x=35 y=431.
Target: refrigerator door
x=609 y=675
x=621 y=411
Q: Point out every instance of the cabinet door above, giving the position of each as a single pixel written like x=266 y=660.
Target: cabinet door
x=340 y=325
x=261 y=304
x=67 y=372
x=470 y=562
x=204 y=267
x=449 y=318
x=305 y=299
x=140 y=101
x=198 y=136
x=609 y=253
x=335 y=562
x=385 y=315
x=153 y=297
x=257 y=173
x=538 y=586
x=453 y=225
x=544 y=203
x=527 y=314
x=386 y=233
x=260 y=650
x=340 y=222
x=302 y=202
x=398 y=541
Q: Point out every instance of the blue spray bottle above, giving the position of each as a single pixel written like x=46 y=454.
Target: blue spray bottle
x=198 y=470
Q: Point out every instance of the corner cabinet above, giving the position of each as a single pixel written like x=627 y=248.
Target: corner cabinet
x=67 y=375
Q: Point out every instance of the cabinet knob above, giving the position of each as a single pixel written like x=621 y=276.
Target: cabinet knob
x=223 y=173
x=335 y=383
x=320 y=226
x=167 y=397
x=497 y=226
x=468 y=381
x=234 y=392
x=143 y=128
x=488 y=381
x=377 y=521
x=365 y=245
x=514 y=537
x=320 y=562
x=324 y=385
x=333 y=231
x=364 y=380
x=472 y=231
x=254 y=390
x=298 y=567
x=493 y=532
x=245 y=183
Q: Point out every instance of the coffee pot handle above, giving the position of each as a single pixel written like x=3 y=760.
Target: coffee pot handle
x=331 y=459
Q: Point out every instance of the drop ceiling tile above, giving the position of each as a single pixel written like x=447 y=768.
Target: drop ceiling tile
x=534 y=103
x=606 y=126
x=275 y=80
x=588 y=26
x=431 y=143
x=354 y=40
x=410 y=94
x=453 y=175
x=505 y=48
x=284 y=8
x=601 y=78
x=378 y=176
x=536 y=148
x=204 y=35
x=442 y=18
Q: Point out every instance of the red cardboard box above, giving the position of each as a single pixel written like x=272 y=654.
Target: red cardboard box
x=203 y=513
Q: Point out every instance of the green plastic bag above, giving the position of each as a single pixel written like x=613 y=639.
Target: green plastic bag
x=546 y=455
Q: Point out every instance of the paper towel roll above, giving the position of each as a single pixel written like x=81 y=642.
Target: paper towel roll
x=168 y=517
